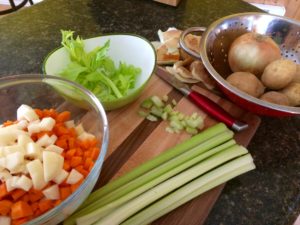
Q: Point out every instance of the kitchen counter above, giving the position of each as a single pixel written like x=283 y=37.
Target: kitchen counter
x=268 y=195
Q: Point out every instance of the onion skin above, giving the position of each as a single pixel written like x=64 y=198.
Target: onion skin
x=252 y=52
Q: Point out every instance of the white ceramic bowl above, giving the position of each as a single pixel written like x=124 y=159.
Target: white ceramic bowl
x=128 y=48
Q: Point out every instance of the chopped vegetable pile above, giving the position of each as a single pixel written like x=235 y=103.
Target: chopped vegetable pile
x=96 y=71
x=167 y=181
x=44 y=158
x=155 y=108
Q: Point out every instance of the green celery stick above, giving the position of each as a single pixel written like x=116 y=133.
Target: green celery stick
x=163 y=157
x=128 y=209
x=191 y=190
x=119 y=192
x=142 y=184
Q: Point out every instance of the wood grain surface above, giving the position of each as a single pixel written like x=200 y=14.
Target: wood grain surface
x=134 y=140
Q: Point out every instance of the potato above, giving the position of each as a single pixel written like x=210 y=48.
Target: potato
x=275 y=97
x=297 y=75
x=279 y=73
x=292 y=91
x=246 y=82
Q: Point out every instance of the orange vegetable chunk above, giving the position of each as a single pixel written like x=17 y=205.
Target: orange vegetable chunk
x=20 y=209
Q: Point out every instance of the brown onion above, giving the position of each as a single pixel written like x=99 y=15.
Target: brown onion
x=252 y=52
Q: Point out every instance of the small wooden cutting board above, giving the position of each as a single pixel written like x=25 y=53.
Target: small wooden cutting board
x=134 y=140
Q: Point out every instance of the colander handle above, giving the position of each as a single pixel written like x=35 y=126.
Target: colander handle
x=183 y=45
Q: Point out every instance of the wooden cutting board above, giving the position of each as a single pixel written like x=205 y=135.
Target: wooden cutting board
x=134 y=140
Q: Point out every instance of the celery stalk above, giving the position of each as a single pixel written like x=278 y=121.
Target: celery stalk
x=191 y=190
x=151 y=174
x=133 y=206
x=145 y=182
x=165 y=156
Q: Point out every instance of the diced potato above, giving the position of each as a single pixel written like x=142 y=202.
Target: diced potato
x=11 y=183
x=34 y=127
x=74 y=177
x=79 y=129
x=52 y=164
x=61 y=177
x=47 y=124
x=23 y=140
x=85 y=136
x=35 y=169
x=4 y=175
x=26 y=112
x=12 y=149
x=70 y=124
x=5 y=220
x=33 y=151
x=54 y=148
x=24 y=183
x=45 y=140
x=52 y=192
x=14 y=160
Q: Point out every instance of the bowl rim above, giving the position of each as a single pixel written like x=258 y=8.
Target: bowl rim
x=105 y=35
x=221 y=81
x=105 y=136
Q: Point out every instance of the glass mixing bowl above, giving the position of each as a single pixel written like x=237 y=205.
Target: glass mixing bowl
x=40 y=91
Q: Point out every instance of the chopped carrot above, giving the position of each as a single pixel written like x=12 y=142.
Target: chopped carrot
x=95 y=153
x=37 y=213
x=61 y=130
x=61 y=142
x=87 y=154
x=35 y=206
x=57 y=202
x=20 y=209
x=3 y=191
x=39 y=113
x=75 y=186
x=45 y=205
x=16 y=194
x=76 y=161
x=91 y=166
x=8 y=123
x=81 y=170
x=5 y=206
x=63 y=116
x=72 y=132
x=35 y=195
x=70 y=153
x=71 y=143
x=65 y=192
x=50 y=113
x=67 y=165
x=93 y=142
x=20 y=221
x=79 y=152
x=25 y=197
x=42 y=133
x=87 y=163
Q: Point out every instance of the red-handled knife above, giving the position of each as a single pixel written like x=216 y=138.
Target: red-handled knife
x=202 y=101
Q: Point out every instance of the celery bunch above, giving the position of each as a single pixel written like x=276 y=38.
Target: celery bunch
x=167 y=181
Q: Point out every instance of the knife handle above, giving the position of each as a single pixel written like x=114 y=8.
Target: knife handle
x=216 y=111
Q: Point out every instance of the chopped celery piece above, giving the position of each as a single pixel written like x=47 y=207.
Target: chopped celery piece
x=147 y=103
x=143 y=113
x=151 y=118
x=165 y=98
x=156 y=107
x=174 y=102
x=157 y=101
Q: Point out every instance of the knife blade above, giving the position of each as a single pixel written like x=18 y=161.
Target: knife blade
x=203 y=102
